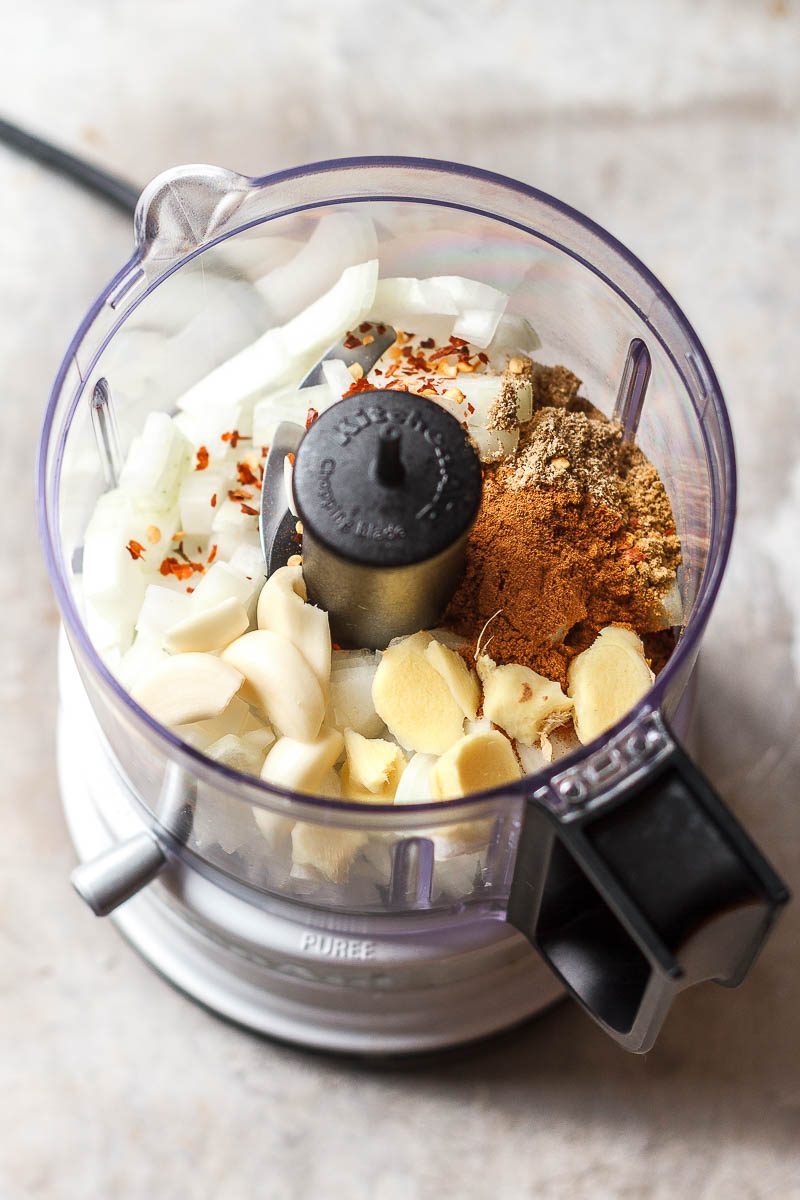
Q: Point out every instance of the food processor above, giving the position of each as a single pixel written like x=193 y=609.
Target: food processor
x=615 y=873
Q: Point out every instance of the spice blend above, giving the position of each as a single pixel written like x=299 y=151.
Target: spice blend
x=575 y=532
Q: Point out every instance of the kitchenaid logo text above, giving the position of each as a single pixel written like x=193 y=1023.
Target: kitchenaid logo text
x=360 y=526
x=328 y=946
x=375 y=414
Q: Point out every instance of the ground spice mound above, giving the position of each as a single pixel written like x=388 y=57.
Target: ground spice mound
x=575 y=532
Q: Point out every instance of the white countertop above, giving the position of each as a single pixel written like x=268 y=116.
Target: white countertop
x=678 y=128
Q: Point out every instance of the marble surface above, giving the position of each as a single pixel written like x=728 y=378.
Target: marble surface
x=674 y=125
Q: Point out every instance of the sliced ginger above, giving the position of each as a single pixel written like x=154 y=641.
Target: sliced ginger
x=606 y=681
x=413 y=699
x=476 y=762
x=372 y=768
x=520 y=701
x=463 y=685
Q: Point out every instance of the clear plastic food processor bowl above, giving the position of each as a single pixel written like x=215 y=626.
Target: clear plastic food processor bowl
x=183 y=303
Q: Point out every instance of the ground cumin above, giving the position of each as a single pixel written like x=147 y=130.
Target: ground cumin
x=574 y=533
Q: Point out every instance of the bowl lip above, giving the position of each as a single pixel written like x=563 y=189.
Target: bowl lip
x=256 y=791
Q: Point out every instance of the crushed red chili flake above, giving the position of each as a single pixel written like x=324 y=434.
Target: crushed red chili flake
x=351 y=342
x=392 y=369
x=214 y=500
x=234 y=437
x=457 y=341
x=427 y=343
x=212 y=554
x=290 y=457
x=470 y=409
x=249 y=510
x=246 y=475
x=189 y=591
x=202 y=459
x=484 y=358
x=181 y=570
x=360 y=385
x=239 y=494
x=311 y=417
x=381 y=328
x=364 y=327
x=264 y=451
x=135 y=549
x=442 y=352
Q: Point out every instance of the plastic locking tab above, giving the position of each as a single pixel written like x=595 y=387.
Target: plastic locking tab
x=634 y=891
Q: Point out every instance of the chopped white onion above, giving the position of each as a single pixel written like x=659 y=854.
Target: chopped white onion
x=415 y=785
x=155 y=463
x=340 y=240
x=337 y=377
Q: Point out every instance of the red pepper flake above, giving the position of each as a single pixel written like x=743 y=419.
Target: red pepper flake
x=351 y=342
x=189 y=591
x=360 y=385
x=427 y=344
x=311 y=417
x=249 y=510
x=239 y=494
x=234 y=437
x=181 y=570
x=470 y=409
x=214 y=500
x=264 y=451
x=381 y=328
x=135 y=549
x=212 y=554
x=202 y=459
x=364 y=327
x=442 y=352
x=335 y=646
x=457 y=341
x=392 y=369
x=290 y=457
x=247 y=476
x=378 y=371
x=484 y=358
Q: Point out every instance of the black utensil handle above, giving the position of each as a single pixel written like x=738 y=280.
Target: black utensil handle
x=634 y=880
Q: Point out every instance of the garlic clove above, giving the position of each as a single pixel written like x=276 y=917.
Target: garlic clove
x=278 y=681
x=188 y=687
x=210 y=629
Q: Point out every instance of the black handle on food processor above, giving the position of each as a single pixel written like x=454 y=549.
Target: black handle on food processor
x=634 y=881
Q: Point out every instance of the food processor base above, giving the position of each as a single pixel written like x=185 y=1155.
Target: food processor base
x=386 y=990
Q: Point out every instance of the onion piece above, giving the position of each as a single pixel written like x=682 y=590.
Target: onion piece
x=337 y=377
x=415 y=783
x=155 y=463
x=339 y=240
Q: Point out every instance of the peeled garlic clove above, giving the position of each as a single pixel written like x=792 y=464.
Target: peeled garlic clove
x=188 y=687
x=606 y=681
x=476 y=762
x=463 y=685
x=414 y=701
x=373 y=764
x=282 y=609
x=302 y=766
x=519 y=700
x=328 y=850
x=211 y=629
x=279 y=681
